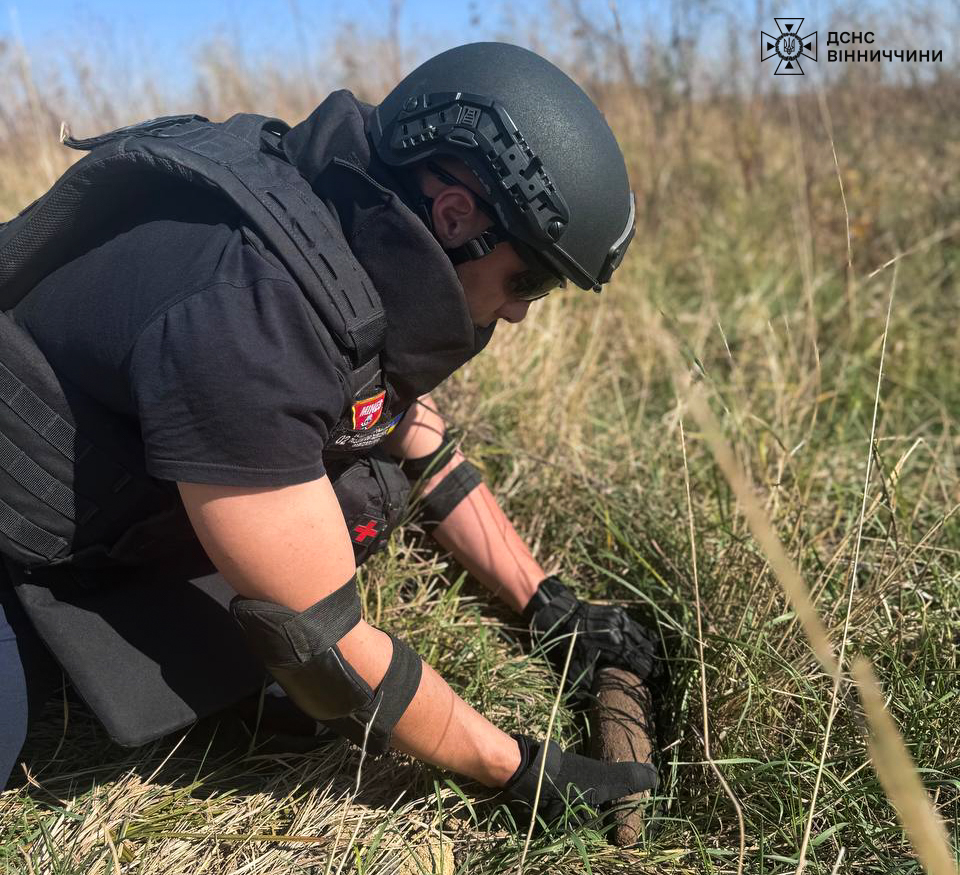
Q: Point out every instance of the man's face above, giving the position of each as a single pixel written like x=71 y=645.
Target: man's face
x=486 y=281
x=486 y=286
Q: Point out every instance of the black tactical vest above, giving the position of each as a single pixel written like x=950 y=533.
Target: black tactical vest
x=52 y=440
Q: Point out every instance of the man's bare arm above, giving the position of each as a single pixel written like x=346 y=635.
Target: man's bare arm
x=477 y=532
x=289 y=545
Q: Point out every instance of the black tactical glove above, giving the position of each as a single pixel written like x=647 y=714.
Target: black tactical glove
x=571 y=779
x=606 y=636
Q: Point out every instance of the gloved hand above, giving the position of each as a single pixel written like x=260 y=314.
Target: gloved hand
x=571 y=779
x=606 y=636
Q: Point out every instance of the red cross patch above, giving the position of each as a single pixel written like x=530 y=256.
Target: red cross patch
x=367 y=530
x=367 y=412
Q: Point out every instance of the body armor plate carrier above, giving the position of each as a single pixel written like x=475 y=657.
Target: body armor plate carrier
x=72 y=475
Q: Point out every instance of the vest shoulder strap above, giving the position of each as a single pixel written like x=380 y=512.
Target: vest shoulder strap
x=239 y=159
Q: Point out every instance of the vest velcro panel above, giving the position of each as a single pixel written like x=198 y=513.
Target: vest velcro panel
x=66 y=464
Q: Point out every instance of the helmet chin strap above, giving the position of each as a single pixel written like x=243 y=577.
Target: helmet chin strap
x=475 y=248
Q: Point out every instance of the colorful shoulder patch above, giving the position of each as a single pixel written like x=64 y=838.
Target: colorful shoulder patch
x=367 y=412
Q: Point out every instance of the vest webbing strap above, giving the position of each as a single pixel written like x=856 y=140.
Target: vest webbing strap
x=40 y=417
x=20 y=530
x=288 y=199
x=365 y=377
x=62 y=436
x=35 y=480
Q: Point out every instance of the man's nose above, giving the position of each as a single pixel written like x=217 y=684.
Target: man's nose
x=514 y=311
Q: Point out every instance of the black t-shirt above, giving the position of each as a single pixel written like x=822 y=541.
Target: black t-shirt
x=184 y=322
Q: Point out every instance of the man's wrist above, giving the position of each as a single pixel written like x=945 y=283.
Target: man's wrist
x=503 y=763
x=528 y=600
x=536 y=601
x=547 y=590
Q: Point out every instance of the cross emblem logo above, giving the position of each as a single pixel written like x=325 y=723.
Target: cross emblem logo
x=367 y=530
x=789 y=46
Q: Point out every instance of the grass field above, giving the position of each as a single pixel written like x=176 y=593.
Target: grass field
x=768 y=252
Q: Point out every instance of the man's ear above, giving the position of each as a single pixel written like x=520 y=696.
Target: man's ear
x=456 y=218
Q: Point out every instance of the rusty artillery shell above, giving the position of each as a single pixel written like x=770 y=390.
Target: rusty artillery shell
x=623 y=731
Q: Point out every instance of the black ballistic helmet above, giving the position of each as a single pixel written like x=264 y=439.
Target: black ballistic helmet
x=541 y=149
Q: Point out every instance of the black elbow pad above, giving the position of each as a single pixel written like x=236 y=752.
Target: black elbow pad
x=430 y=464
x=373 y=723
x=300 y=651
x=440 y=501
x=457 y=484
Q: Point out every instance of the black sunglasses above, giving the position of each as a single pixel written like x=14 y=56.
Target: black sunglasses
x=538 y=280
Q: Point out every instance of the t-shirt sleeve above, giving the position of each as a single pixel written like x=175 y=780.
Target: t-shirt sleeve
x=233 y=386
